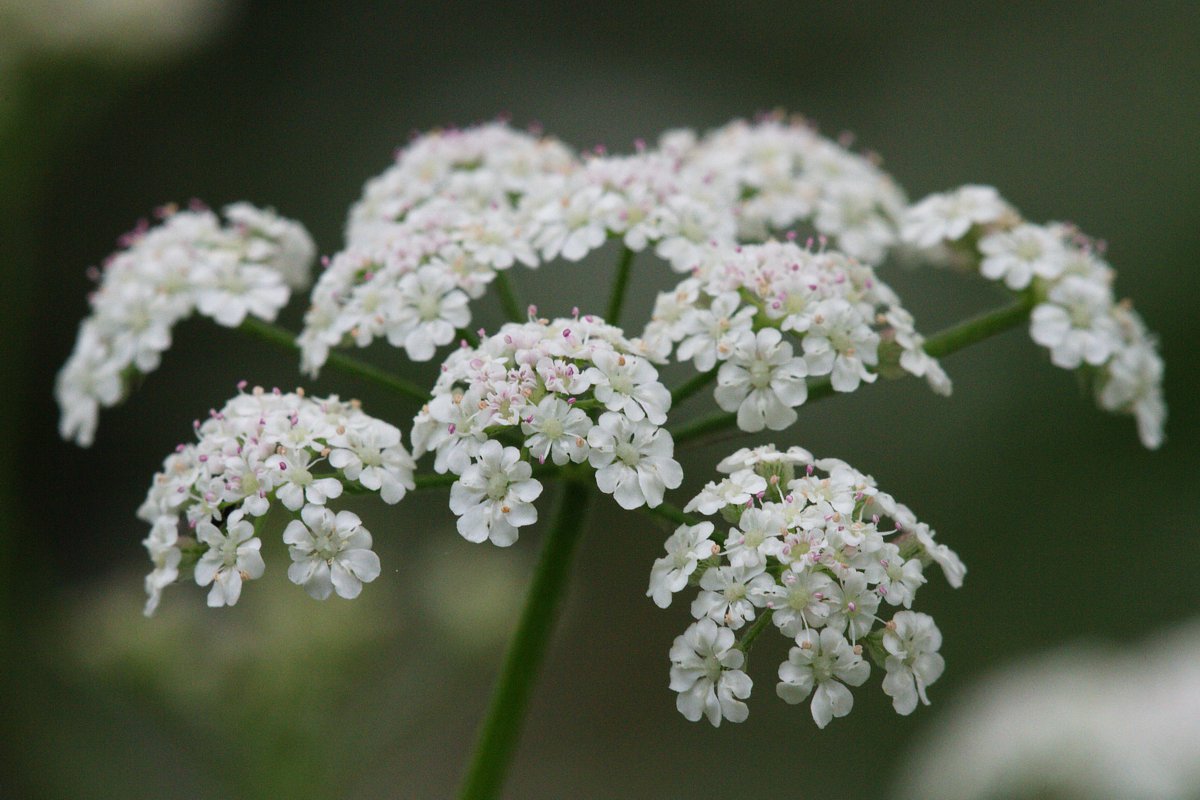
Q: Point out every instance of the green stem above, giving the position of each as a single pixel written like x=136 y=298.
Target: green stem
x=671 y=513
x=979 y=328
x=434 y=480
x=941 y=344
x=754 y=630
x=508 y=299
x=617 y=298
x=498 y=735
x=686 y=390
x=340 y=361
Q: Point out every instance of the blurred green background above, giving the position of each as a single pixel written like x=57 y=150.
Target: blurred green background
x=1082 y=111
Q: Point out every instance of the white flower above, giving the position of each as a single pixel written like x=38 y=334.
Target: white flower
x=90 y=379
x=162 y=545
x=629 y=384
x=765 y=457
x=736 y=490
x=897 y=579
x=494 y=497
x=729 y=594
x=800 y=602
x=758 y=539
x=850 y=211
x=852 y=605
x=1133 y=383
x=710 y=334
x=373 y=457
x=1018 y=255
x=762 y=382
x=840 y=344
x=947 y=217
x=1076 y=324
x=431 y=309
x=686 y=548
x=825 y=661
x=705 y=670
x=297 y=484
x=576 y=226
x=952 y=566
x=231 y=557
x=330 y=553
x=558 y=431
x=227 y=291
x=912 y=641
x=276 y=242
x=633 y=460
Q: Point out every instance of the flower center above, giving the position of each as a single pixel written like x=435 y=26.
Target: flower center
x=497 y=486
x=760 y=374
x=429 y=307
x=300 y=476
x=324 y=546
x=712 y=668
x=1081 y=316
x=621 y=383
x=1029 y=250
x=627 y=453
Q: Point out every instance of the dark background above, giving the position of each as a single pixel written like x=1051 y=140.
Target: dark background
x=1088 y=112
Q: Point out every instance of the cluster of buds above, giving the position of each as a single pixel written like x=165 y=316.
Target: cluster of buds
x=817 y=551
x=190 y=262
x=1076 y=315
x=568 y=391
x=262 y=449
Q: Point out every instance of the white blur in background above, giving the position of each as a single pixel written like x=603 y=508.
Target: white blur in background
x=132 y=30
x=1117 y=720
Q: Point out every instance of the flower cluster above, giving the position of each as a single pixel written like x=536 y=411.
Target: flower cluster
x=458 y=206
x=818 y=551
x=778 y=172
x=429 y=234
x=568 y=391
x=1062 y=273
x=191 y=262
x=264 y=448
x=752 y=303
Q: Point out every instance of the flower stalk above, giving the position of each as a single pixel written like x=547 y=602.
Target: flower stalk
x=613 y=315
x=508 y=299
x=500 y=730
x=281 y=337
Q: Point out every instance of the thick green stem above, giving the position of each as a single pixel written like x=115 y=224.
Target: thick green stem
x=508 y=299
x=501 y=728
x=617 y=298
x=948 y=341
x=340 y=361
